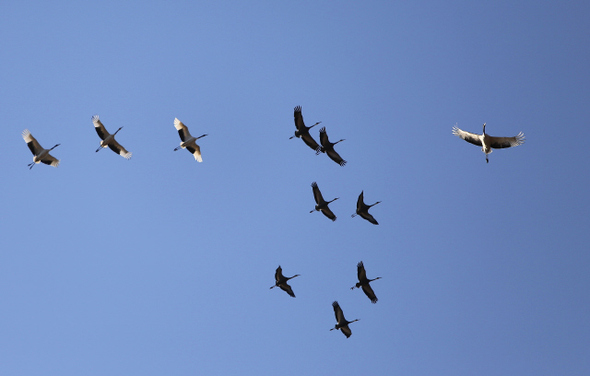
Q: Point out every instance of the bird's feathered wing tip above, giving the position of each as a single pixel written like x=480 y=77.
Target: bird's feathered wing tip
x=127 y=155
x=520 y=139
x=52 y=162
x=26 y=134
x=95 y=118
x=178 y=124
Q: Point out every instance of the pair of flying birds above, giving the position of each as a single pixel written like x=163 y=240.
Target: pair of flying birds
x=327 y=147
x=342 y=323
x=362 y=209
x=41 y=155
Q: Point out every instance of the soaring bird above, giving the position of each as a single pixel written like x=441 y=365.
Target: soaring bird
x=188 y=141
x=488 y=142
x=109 y=139
x=342 y=323
x=364 y=282
x=321 y=204
x=302 y=131
x=328 y=147
x=40 y=154
x=281 y=281
x=362 y=209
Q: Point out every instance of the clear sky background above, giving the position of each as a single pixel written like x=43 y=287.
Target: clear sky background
x=162 y=266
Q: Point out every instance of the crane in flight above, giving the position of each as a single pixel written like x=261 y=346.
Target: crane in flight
x=39 y=153
x=488 y=142
x=187 y=141
x=108 y=140
x=341 y=322
x=281 y=281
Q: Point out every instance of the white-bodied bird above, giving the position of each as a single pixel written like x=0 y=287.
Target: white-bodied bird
x=40 y=154
x=488 y=142
x=188 y=141
x=108 y=139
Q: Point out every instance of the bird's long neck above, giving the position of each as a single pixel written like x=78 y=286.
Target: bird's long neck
x=117 y=131
x=333 y=200
x=484 y=128
x=337 y=142
x=54 y=147
x=374 y=279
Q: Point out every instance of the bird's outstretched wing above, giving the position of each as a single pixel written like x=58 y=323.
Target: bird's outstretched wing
x=32 y=143
x=467 y=136
x=506 y=142
x=328 y=213
x=117 y=148
x=360 y=271
x=317 y=195
x=338 y=312
x=50 y=160
x=285 y=287
x=195 y=151
x=182 y=130
x=370 y=293
x=299 y=124
x=336 y=157
x=99 y=127
x=279 y=274
x=369 y=217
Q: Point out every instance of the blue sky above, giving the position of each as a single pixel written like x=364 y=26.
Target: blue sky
x=162 y=265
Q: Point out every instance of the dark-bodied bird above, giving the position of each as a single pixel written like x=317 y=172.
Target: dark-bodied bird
x=188 y=141
x=302 y=131
x=109 y=139
x=328 y=147
x=281 y=281
x=364 y=282
x=39 y=153
x=488 y=142
x=362 y=209
x=321 y=204
x=341 y=323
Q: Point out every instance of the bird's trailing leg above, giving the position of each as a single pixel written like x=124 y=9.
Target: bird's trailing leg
x=31 y=165
x=100 y=147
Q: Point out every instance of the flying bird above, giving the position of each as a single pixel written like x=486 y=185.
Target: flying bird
x=40 y=154
x=364 y=282
x=342 y=323
x=362 y=209
x=188 y=141
x=302 y=131
x=109 y=139
x=488 y=142
x=281 y=281
x=321 y=204
x=328 y=147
